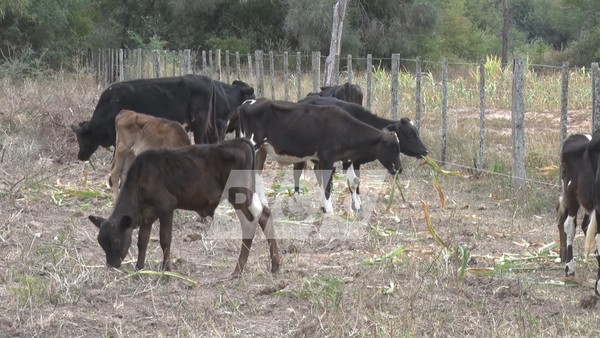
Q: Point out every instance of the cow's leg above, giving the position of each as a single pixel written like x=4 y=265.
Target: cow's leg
x=298 y=167
x=165 y=234
x=261 y=157
x=143 y=238
x=248 y=208
x=326 y=172
x=597 y=286
x=266 y=223
x=562 y=217
x=569 y=227
x=353 y=182
x=198 y=127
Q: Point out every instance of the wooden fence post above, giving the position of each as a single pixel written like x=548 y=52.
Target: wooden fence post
x=418 y=94
x=444 y=136
x=518 y=127
x=481 y=114
x=121 y=65
x=298 y=76
x=211 y=65
x=251 y=70
x=286 y=76
x=186 y=61
x=204 y=72
x=336 y=70
x=227 y=67
x=272 y=73
x=219 y=69
x=564 y=101
x=260 y=73
x=595 y=97
x=350 y=70
x=369 y=80
x=156 y=63
x=140 y=64
x=238 y=66
x=394 y=90
x=316 y=70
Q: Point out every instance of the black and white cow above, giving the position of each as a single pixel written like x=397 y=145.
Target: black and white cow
x=196 y=178
x=202 y=103
x=297 y=132
x=577 y=180
x=408 y=135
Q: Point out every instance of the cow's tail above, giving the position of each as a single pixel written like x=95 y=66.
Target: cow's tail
x=253 y=167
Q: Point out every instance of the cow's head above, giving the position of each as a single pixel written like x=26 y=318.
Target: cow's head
x=245 y=89
x=408 y=135
x=87 y=144
x=114 y=238
x=387 y=152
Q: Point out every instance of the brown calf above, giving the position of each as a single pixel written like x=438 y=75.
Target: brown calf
x=137 y=133
x=192 y=178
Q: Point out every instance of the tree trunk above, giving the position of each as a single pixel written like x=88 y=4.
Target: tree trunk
x=339 y=12
x=505 y=27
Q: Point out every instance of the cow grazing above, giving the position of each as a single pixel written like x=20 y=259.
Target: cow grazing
x=577 y=180
x=296 y=132
x=408 y=135
x=346 y=92
x=196 y=178
x=205 y=105
x=137 y=133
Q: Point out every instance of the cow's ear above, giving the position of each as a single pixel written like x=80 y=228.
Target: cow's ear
x=325 y=87
x=96 y=220
x=248 y=91
x=126 y=223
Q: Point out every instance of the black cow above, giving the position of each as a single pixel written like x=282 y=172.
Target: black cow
x=346 y=92
x=408 y=135
x=191 y=178
x=577 y=180
x=205 y=105
x=297 y=132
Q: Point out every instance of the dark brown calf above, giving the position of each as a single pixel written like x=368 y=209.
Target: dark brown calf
x=193 y=178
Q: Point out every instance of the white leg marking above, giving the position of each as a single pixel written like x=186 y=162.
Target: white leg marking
x=256 y=206
x=353 y=182
x=260 y=190
x=590 y=235
x=326 y=202
x=570 y=229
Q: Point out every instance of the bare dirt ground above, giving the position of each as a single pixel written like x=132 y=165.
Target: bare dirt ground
x=381 y=273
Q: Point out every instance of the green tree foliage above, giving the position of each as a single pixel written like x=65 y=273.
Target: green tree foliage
x=51 y=31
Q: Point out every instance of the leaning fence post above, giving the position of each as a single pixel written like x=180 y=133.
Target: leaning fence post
x=564 y=101
x=286 y=76
x=418 y=93
x=369 y=79
x=518 y=127
x=316 y=70
x=272 y=73
x=595 y=97
x=444 y=136
x=298 y=76
x=186 y=61
x=394 y=90
x=481 y=114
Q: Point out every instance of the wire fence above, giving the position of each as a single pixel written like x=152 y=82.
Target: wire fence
x=477 y=116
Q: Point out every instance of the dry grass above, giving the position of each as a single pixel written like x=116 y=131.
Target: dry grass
x=382 y=274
